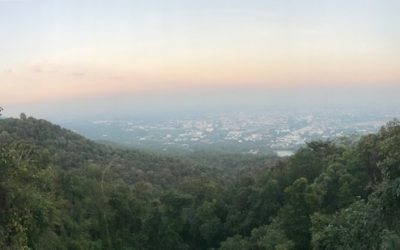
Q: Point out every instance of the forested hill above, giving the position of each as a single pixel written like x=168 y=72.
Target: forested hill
x=68 y=150
x=59 y=190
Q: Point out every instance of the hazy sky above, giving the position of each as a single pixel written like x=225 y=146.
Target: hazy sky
x=78 y=51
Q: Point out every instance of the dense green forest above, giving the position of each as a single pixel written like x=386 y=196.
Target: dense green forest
x=59 y=190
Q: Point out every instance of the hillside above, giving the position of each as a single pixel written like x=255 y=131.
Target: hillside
x=69 y=150
x=59 y=190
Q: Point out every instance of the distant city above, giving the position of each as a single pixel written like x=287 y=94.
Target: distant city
x=247 y=133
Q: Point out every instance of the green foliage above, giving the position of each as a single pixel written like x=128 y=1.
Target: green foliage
x=336 y=185
x=390 y=240
x=302 y=201
x=235 y=243
x=356 y=227
x=271 y=237
x=59 y=190
x=29 y=206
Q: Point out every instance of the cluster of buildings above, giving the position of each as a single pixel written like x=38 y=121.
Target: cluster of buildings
x=253 y=133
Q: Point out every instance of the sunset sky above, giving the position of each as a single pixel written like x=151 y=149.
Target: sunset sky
x=54 y=51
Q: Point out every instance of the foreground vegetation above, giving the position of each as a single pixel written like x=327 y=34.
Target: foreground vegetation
x=59 y=190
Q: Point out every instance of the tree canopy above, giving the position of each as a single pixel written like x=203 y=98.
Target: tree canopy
x=59 y=190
